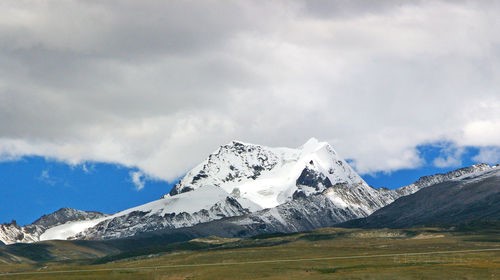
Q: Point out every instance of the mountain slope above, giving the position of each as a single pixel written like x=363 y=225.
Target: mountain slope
x=470 y=198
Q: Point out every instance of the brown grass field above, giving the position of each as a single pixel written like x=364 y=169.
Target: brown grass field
x=329 y=253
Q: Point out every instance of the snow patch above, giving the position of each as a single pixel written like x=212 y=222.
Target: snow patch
x=67 y=230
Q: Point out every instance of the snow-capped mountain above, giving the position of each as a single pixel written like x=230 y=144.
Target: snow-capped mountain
x=267 y=176
x=288 y=189
x=13 y=233
x=241 y=178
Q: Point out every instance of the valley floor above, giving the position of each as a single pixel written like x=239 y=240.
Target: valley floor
x=329 y=253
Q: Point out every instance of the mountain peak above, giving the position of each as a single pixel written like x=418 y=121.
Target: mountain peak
x=238 y=143
x=312 y=143
x=268 y=176
x=310 y=146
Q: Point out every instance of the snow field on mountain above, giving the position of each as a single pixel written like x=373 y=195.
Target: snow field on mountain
x=67 y=230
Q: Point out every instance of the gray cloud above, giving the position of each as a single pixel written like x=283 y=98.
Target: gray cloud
x=159 y=85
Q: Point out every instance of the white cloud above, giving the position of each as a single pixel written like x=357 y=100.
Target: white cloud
x=145 y=85
x=138 y=179
x=450 y=156
x=489 y=155
x=483 y=132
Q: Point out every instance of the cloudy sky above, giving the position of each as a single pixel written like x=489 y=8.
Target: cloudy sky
x=158 y=85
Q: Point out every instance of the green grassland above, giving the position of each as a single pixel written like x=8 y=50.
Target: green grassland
x=330 y=253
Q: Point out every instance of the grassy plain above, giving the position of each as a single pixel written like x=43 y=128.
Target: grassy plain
x=330 y=253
